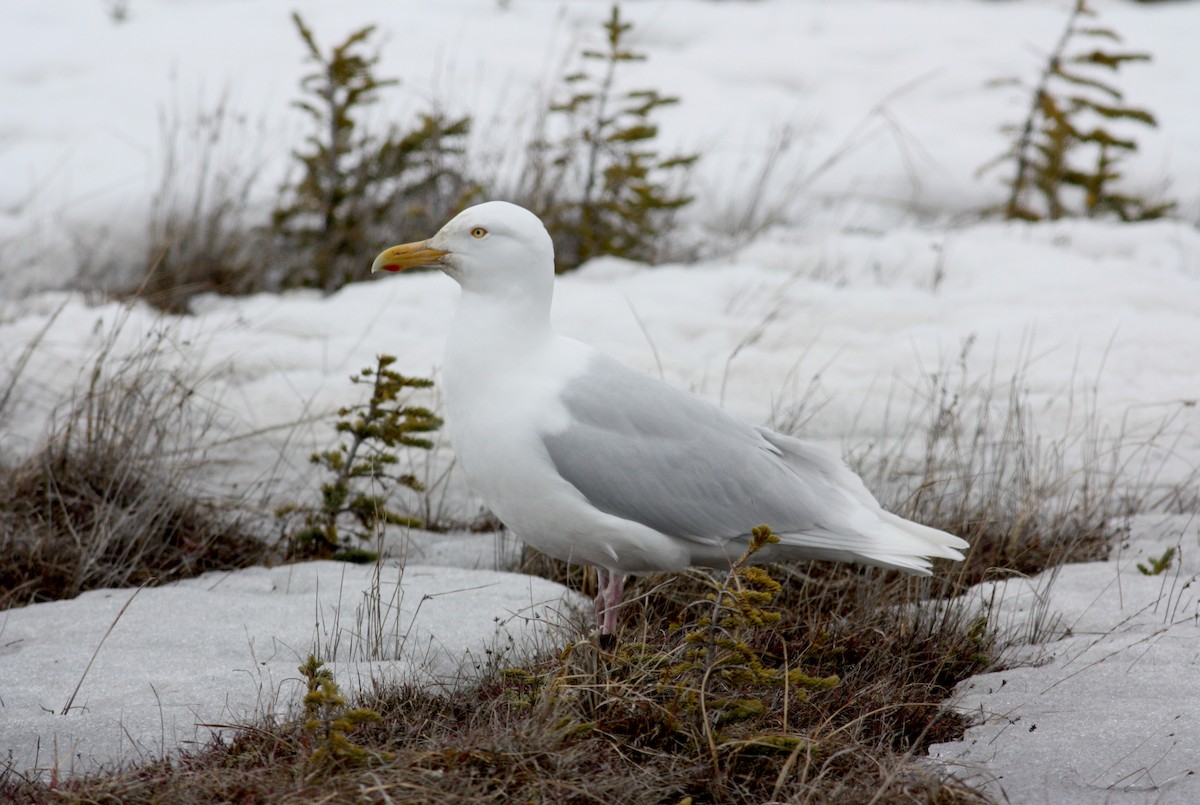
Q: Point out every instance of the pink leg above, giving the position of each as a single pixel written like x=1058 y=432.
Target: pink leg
x=613 y=591
x=601 y=591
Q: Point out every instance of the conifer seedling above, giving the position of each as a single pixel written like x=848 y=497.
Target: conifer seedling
x=1068 y=151
x=607 y=189
x=353 y=182
x=328 y=722
x=354 y=502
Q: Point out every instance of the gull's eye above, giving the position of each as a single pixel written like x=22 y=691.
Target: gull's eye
x=478 y=232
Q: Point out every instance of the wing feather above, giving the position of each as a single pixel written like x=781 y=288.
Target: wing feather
x=640 y=449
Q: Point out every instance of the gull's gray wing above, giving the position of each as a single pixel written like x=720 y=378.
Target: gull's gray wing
x=640 y=449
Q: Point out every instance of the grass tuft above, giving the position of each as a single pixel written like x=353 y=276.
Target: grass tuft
x=973 y=461
x=110 y=499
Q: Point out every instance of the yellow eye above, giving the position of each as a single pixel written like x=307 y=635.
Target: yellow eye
x=478 y=232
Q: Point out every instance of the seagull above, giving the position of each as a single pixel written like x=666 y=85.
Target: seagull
x=594 y=462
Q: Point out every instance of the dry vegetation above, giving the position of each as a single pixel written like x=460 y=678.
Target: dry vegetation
x=110 y=499
x=597 y=180
x=972 y=460
x=637 y=723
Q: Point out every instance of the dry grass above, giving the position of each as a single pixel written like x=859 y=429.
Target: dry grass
x=973 y=460
x=110 y=499
x=199 y=237
x=598 y=725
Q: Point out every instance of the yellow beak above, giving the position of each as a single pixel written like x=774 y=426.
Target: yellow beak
x=408 y=255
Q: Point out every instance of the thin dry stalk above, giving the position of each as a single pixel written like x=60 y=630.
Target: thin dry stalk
x=27 y=352
x=71 y=699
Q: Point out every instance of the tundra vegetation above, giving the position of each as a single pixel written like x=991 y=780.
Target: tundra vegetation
x=813 y=682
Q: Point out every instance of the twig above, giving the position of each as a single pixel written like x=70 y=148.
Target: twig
x=1039 y=92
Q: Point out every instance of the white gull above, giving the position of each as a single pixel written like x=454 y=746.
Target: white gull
x=593 y=462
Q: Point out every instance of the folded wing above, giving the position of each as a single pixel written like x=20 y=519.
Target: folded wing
x=642 y=450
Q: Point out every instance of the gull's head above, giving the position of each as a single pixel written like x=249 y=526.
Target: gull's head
x=495 y=246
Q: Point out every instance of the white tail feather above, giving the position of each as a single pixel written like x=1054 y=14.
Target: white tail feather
x=896 y=543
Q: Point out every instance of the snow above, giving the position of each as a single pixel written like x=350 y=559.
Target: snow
x=223 y=648
x=1104 y=703
x=879 y=275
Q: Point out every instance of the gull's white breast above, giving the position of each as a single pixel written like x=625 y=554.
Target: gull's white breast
x=502 y=400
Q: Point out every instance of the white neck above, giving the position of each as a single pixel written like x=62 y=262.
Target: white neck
x=508 y=317
x=487 y=330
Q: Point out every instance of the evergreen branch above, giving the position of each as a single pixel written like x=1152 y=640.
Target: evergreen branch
x=1111 y=60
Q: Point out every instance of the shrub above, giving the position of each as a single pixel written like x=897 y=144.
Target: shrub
x=375 y=430
x=328 y=722
x=352 y=184
x=723 y=671
x=603 y=188
x=1066 y=156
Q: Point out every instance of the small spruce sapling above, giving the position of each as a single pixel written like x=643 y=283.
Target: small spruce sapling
x=1066 y=155
x=725 y=665
x=352 y=183
x=715 y=679
x=328 y=722
x=603 y=188
x=367 y=458
x=1158 y=564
